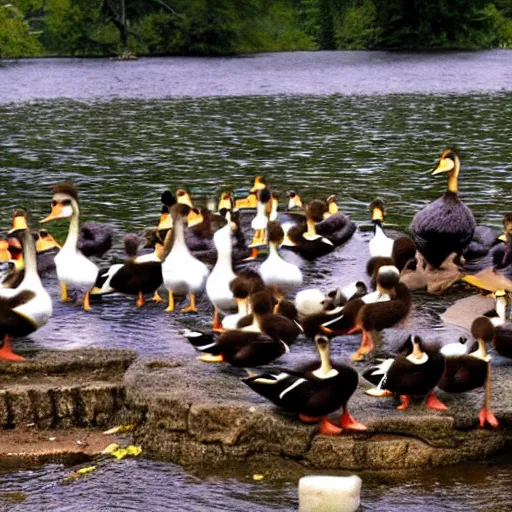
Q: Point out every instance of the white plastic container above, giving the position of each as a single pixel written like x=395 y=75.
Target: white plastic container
x=329 y=493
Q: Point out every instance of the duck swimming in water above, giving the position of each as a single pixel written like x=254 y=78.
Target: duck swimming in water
x=312 y=391
x=182 y=273
x=466 y=371
x=251 y=200
x=413 y=373
x=26 y=308
x=447 y=225
x=73 y=268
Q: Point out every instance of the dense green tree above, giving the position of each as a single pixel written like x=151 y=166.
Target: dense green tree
x=16 y=36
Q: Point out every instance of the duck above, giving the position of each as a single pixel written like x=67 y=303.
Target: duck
x=218 y=282
x=260 y=221
x=46 y=245
x=335 y=225
x=446 y=225
x=388 y=305
x=294 y=202
x=16 y=265
x=131 y=277
x=73 y=268
x=226 y=201
x=500 y=319
x=380 y=244
x=304 y=239
x=26 y=308
x=415 y=372
x=275 y=270
x=182 y=272
x=95 y=239
x=466 y=371
x=240 y=288
x=312 y=391
x=251 y=201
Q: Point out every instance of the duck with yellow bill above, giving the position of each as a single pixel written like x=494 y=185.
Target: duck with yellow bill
x=74 y=270
x=251 y=201
x=446 y=225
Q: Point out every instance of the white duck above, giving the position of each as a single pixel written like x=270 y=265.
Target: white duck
x=182 y=273
x=276 y=271
x=217 y=284
x=73 y=268
x=260 y=221
x=380 y=244
x=26 y=308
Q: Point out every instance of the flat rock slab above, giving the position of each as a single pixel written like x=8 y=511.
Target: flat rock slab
x=200 y=415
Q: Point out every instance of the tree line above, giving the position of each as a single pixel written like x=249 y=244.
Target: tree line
x=215 y=27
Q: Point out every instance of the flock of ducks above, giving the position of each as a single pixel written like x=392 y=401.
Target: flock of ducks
x=259 y=314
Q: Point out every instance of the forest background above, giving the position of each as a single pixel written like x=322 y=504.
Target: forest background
x=31 y=28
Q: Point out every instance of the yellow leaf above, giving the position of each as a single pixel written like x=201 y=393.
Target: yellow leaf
x=110 y=449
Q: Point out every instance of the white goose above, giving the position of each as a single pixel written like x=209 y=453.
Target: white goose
x=276 y=271
x=217 y=284
x=182 y=273
x=73 y=268
x=26 y=308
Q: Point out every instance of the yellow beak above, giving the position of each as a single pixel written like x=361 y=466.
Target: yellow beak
x=182 y=197
x=45 y=243
x=18 y=223
x=378 y=214
x=194 y=218
x=333 y=208
x=444 y=165
x=258 y=184
x=56 y=212
x=4 y=251
x=225 y=202
x=165 y=222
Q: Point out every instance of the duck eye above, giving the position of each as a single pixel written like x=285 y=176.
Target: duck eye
x=54 y=203
x=67 y=202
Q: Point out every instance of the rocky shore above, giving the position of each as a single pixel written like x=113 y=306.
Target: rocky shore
x=58 y=403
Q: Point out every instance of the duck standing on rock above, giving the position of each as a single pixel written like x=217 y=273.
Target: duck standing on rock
x=414 y=373
x=447 y=225
x=26 y=308
x=182 y=273
x=312 y=391
x=73 y=268
x=464 y=372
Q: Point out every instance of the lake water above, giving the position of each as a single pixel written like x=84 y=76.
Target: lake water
x=358 y=124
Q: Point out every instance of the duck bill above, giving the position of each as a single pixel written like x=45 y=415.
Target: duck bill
x=333 y=208
x=377 y=215
x=18 y=224
x=444 y=165
x=182 y=197
x=194 y=218
x=45 y=243
x=5 y=255
x=165 y=222
x=225 y=202
x=258 y=184
x=57 y=212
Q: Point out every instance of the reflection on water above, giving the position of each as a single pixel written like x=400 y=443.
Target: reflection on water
x=160 y=487
x=124 y=153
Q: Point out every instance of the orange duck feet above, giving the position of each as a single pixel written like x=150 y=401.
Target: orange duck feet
x=7 y=353
x=486 y=416
x=328 y=428
x=434 y=403
x=349 y=423
x=309 y=419
x=405 y=402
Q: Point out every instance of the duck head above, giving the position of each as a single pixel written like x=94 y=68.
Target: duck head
x=503 y=304
x=19 y=221
x=482 y=329
x=194 y=217
x=332 y=207
x=16 y=252
x=226 y=202
x=323 y=346
x=183 y=197
x=388 y=277
x=507 y=228
x=450 y=163
x=259 y=184
x=294 y=201
x=240 y=288
x=275 y=233
x=45 y=241
x=377 y=211
x=64 y=202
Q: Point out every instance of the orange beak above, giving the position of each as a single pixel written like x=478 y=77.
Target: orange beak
x=18 y=223
x=182 y=197
x=378 y=214
x=45 y=243
x=225 y=202
x=258 y=184
x=333 y=208
x=165 y=222
x=56 y=213
x=194 y=218
x=5 y=255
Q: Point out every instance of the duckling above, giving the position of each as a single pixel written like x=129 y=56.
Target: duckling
x=26 y=308
x=240 y=288
x=384 y=308
x=415 y=373
x=182 y=273
x=251 y=200
x=502 y=253
x=447 y=225
x=95 y=239
x=276 y=271
x=304 y=239
x=335 y=226
x=464 y=372
x=73 y=268
x=312 y=391
x=218 y=282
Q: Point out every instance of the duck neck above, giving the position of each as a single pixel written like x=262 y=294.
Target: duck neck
x=481 y=351
x=29 y=257
x=179 y=234
x=453 y=177
x=272 y=249
x=386 y=291
x=74 y=227
x=326 y=370
x=311 y=227
x=243 y=308
x=501 y=307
